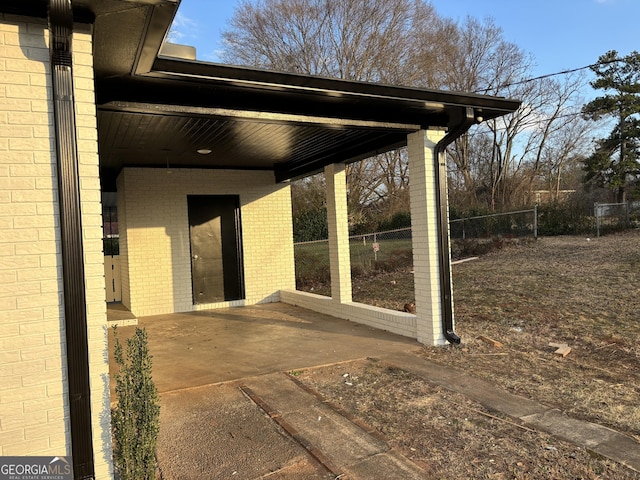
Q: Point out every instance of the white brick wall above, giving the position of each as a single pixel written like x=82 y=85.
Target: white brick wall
x=154 y=235
x=340 y=303
x=338 y=223
x=34 y=412
x=425 y=325
x=87 y=135
x=424 y=217
x=390 y=320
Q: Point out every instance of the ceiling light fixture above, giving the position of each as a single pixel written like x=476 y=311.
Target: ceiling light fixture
x=204 y=151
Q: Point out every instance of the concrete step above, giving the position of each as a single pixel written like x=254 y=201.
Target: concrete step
x=348 y=450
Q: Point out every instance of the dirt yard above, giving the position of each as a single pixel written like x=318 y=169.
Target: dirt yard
x=568 y=290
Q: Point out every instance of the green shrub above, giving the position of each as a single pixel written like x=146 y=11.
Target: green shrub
x=136 y=419
x=310 y=225
x=397 y=221
x=563 y=219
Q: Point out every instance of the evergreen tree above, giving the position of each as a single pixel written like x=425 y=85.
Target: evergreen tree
x=615 y=162
x=136 y=418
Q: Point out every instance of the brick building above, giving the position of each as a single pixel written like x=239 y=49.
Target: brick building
x=92 y=102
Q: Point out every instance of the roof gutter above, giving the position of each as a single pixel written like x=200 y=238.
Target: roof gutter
x=444 y=252
x=75 y=309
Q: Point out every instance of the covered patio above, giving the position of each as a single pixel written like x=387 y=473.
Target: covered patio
x=201 y=156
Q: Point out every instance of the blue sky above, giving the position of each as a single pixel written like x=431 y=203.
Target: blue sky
x=560 y=34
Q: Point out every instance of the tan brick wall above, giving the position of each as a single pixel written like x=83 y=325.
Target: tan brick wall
x=34 y=412
x=154 y=235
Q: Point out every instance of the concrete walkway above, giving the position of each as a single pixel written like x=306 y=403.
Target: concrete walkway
x=596 y=438
x=229 y=410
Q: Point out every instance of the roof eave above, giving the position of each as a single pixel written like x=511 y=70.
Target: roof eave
x=166 y=67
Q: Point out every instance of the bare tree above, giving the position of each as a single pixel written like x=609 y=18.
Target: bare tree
x=478 y=59
x=308 y=194
x=407 y=42
x=373 y=40
x=520 y=140
x=564 y=153
x=386 y=41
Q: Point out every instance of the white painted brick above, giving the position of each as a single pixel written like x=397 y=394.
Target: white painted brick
x=35 y=144
x=26 y=448
x=17 y=422
x=29 y=223
x=424 y=235
x=11 y=436
x=26 y=91
x=19 y=396
x=44 y=404
x=154 y=219
x=15 y=236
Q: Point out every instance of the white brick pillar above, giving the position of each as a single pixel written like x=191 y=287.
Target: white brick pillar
x=424 y=224
x=338 y=223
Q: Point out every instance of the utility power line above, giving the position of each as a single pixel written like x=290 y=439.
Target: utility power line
x=549 y=75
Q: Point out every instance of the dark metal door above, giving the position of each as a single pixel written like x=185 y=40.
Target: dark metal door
x=216 y=252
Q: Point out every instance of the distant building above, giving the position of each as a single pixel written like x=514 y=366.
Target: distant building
x=546 y=196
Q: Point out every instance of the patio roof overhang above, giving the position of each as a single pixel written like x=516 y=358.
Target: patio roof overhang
x=156 y=110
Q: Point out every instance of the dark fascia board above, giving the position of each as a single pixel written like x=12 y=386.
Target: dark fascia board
x=158 y=24
x=85 y=11
x=488 y=106
x=187 y=94
x=149 y=64
x=36 y=8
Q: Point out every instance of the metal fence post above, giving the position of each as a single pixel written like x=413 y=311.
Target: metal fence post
x=627 y=220
x=596 y=211
x=535 y=221
x=375 y=242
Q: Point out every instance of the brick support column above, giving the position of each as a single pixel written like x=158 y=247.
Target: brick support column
x=424 y=219
x=338 y=222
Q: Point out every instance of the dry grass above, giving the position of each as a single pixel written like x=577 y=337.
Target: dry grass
x=447 y=434
x=573 y=290
x=564 y=290
x=585 y=293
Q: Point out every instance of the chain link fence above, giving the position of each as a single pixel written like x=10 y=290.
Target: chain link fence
x=523 y=223
x=380 y=251
x=391 y=250
x=616 y=216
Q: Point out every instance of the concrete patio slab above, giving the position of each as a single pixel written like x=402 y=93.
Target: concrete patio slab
x=202 y=348
x=208 y=364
